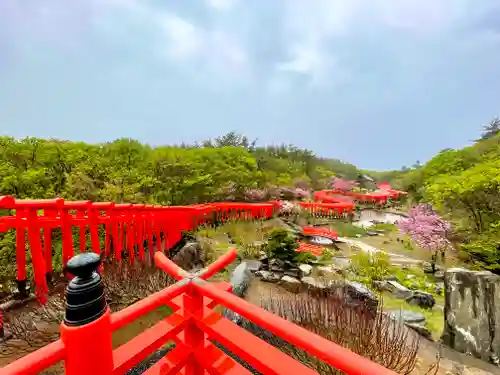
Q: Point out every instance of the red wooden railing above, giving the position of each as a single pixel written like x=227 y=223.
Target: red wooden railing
x=127 y=227
x=194 y=326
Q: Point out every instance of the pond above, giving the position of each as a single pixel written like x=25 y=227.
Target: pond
x=366 y=217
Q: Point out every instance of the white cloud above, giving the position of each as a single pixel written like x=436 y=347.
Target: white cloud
x=185 y=40
x=221 y=4
x=206 y=51
x=317 y=31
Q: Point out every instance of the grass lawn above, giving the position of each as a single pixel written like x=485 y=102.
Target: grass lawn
x=434 y=318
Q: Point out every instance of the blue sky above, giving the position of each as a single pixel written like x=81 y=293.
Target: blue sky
x=379 y=83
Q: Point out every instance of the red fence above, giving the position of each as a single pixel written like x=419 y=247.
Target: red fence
x=193 y=327
x=130 y=228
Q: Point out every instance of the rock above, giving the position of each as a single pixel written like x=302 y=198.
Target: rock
x=422 y=299
x=421 y=330
x=291 y=284
x=277 y=262
x=240 y=279
x=406 y=316
x=472 y=312
x=189 y=256
x=316 y=285
x=253 y=265
x=358 y=235
x=371 y=233
x=427 y=267
x=398 y=290
x=268 y=276
x=358 y=293
x=341 y=263
x=306 y=269
x=263 y=259
x=438 y=288
x=293 y=272
x=380 y=285
x=328 y=270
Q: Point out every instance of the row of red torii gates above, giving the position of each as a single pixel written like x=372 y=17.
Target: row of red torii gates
x=138 y=231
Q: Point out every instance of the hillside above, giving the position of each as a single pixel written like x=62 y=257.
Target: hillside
x=128 y=171
x=464 y=185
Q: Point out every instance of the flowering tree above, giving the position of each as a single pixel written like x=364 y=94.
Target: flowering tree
x=427 y=229
x=302 y=193
x=340 y=184
x=255 y=195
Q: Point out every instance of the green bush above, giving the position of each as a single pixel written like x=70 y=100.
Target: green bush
x=282 y=245
x=370 y=267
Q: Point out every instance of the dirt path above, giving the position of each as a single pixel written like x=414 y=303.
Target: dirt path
x=396 y=258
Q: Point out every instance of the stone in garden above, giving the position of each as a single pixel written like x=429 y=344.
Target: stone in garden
x=422 y=299
x=341 y=263
x=371 y=233
x=421 y=330
x=380 y=285
x=316 y=285
x=306 y=269
x=398 y=290
x=189 y=256
x=240 y=279
x=472 y=312
x=358 y=235
x=427 y=267
x=328 y=270
x=439 y=288
x=291 y=284
x=268 y=276
x=293 y=272
x=407 y=316
x=356 y=293
x=253 y=265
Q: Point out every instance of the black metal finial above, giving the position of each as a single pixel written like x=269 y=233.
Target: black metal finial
x=85 y=300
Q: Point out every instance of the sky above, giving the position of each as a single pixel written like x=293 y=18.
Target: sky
x=379 y=83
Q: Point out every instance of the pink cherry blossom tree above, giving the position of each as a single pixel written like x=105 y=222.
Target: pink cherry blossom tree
x=341 y=184
x=427 y=229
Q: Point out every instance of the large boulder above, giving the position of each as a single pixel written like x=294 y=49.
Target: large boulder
x=398 y=290
x=189 y=257
x=356 y=294
x=472 y=312
x=422 y=299
x=240 y=279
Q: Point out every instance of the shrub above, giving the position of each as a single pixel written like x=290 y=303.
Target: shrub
x=370 y=267
x=373 y=336
x=281 y=245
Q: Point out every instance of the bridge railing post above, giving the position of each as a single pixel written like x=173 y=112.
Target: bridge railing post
x=86 y=331
x=193 y=336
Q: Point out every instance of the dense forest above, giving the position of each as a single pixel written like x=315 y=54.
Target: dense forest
x=226 y=168
x=128 y=171
x=464 y=186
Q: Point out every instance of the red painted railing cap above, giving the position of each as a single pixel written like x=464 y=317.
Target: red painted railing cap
x=103 y=205
x=39 y=203
x=77 y=204
x=6 y=201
